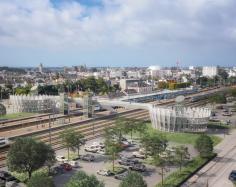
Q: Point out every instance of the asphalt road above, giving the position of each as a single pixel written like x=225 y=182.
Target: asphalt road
x=216 y=172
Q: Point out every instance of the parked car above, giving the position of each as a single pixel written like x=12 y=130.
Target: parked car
x=99 y=144
x=127 y=161
x=66 y=166
x=138 y=167
x=92 y=148
x=101 y=151
x=232 y=176
x=227 y=114
x=83 y=141
x=7 y=177
x=105 y=172
x=74 y=164
x=138 y=154
x=225 y=110
x=4 y=142
x=122 y=176
x=14 y=184
x=214 y=119
x=88 y=157
x=61 y=158
x=56 y=170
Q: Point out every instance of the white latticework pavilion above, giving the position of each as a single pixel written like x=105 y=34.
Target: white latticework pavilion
x=184 y=119
x=33 y=103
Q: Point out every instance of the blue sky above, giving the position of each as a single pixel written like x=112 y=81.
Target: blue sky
x=117 y=32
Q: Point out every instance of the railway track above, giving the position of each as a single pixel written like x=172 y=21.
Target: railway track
x=88 y=130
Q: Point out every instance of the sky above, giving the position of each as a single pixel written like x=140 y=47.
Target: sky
x=117 y=32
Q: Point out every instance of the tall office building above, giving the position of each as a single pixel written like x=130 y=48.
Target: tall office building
x=41 y=68
x=209 y=71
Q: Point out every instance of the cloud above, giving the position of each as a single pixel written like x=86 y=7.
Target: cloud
x=123 y=23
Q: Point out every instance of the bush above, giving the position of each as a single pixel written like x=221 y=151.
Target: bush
x=133 y=179
x=81 y=179
x=39 y=180
x=204 y=145
x=177 y=178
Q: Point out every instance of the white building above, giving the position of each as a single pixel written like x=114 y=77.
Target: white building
x=41 y=68
x=153 y=71
x=114 y=74
x=232 y=72
x=133 y=74
x=209 y=71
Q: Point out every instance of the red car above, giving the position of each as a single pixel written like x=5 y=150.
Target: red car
x=66 y=166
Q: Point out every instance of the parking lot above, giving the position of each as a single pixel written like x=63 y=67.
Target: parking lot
x=151 y=175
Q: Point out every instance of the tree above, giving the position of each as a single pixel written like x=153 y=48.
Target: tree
x=204 y=145
x=218 y=98
x=133 y=179
x=81 y=179
x=27 y=155
x=51 y=158
x=223 y=74
x=155 y=143
x=112 y=146
x=39 y=180
x=129 y=126
x=181 y=155
x=162 y=163
x=67 y=137
x=77 y=141
x=120 y=127
x=141 y=127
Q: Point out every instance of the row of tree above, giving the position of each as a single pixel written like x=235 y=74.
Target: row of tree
x=90 y=84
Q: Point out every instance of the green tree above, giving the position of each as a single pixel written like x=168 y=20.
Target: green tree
x=27 y=155
x=129 y=126
x=51 y=158
x=161 y=162
x=204 y=145
x=133 y=179
x=68 y=137
x=141 y=127
x=218 y=98
x=23 y=90
x=77 y=141
x=223 y=74
x=112 y=146
x=155 y=143
x=120 y=127
x=39 y=180
x=81 y=179
x=181 y=155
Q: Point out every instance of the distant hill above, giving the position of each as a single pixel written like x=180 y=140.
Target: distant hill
x=11 y=69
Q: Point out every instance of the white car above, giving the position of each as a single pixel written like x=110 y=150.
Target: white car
x=100 y=144
x=138 y=154
x=4 y=142
x=227 y=114
x=92 y=148
x=74 y=164
x=104 y=172
x=61 y=158
x=125 y=143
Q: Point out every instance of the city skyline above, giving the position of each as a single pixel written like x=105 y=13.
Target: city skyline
x=117 y=33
